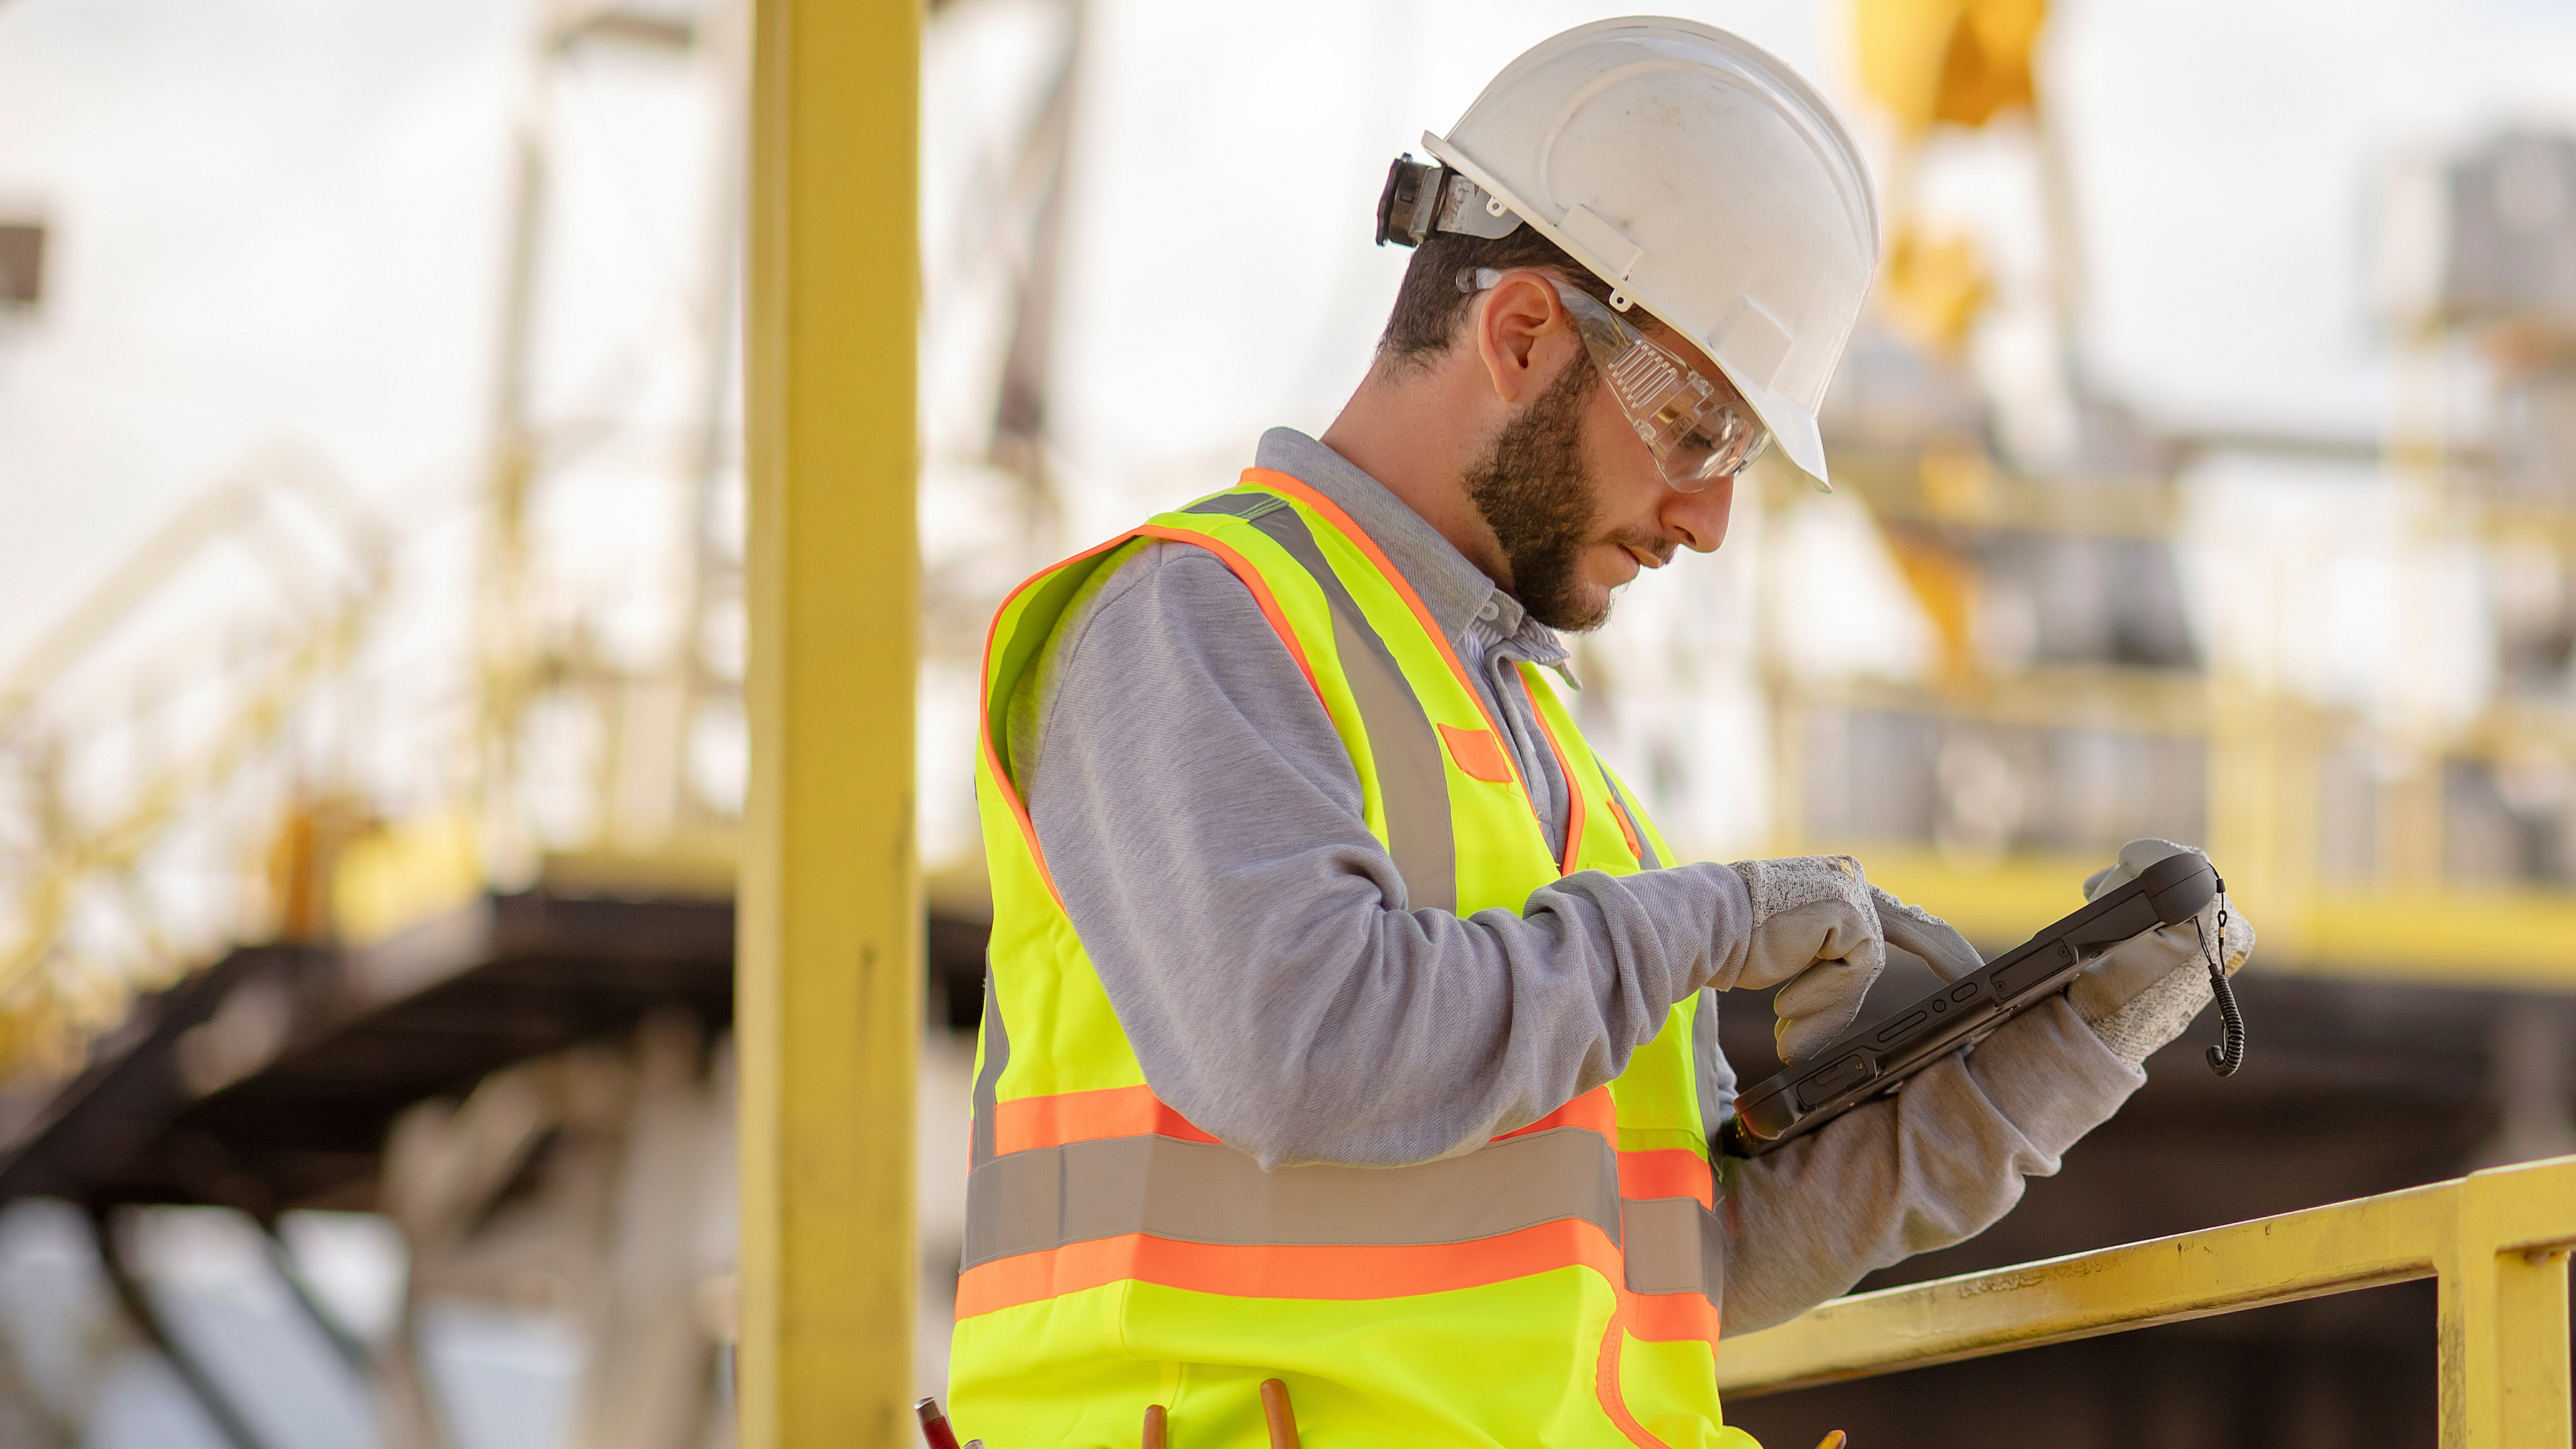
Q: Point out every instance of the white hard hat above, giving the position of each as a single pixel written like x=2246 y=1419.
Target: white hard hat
x=1702 y=179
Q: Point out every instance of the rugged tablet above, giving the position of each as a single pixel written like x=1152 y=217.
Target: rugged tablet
x=1873 y=1059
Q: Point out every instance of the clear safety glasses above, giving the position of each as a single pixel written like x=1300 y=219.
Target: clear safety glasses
x=1697 y=427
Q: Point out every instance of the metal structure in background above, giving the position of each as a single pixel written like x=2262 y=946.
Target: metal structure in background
x=829 y=975
x=650 y=820
x=2069 y=707
x=364 y=1059
x=494 y=1071
x=282 y=680
x=96 y=773
x=1028 y=220
x=2496 y=1241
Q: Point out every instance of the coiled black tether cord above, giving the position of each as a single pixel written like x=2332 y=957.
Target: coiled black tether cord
x=2229 y=1054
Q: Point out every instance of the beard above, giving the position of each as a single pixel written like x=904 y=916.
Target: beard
x=1537 y=495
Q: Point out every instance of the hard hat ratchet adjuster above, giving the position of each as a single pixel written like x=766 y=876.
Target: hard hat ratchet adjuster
x=1422 y=197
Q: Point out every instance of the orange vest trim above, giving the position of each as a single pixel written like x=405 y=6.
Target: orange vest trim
x=1605 y=1385
x=1627 y=827
x=984 y=726
x=1024 y=1123
x=1565 y=771
x=1670 y=1317
x=1595 y=1110
x=1667 y=1172
x=1272 y=1270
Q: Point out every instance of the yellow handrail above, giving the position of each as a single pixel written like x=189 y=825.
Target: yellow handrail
x=2497 y=1241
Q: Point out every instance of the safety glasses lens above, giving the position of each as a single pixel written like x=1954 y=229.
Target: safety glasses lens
x=1707 y=454
x=1697 y=432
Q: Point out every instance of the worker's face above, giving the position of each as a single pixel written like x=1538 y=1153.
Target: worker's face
x=1576 y=499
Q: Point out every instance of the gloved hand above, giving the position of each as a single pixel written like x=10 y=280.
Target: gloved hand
x=1820 y=927
x=2145 y=990
x=1915 y=929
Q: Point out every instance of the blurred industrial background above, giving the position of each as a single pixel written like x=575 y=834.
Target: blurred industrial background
x=371 y=632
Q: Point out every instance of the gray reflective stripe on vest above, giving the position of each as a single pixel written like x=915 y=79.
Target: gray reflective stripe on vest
x=1201 y=1192
x=1204 y=1192
x=1411 y=781
x=1713 y=1076
x=1246 y=506
x=1673 y=1245
x=988 y=1078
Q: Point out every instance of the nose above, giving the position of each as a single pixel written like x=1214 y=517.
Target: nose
x=1699 y=520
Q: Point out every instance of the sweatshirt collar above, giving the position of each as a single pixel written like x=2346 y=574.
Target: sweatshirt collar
x=1458 y=594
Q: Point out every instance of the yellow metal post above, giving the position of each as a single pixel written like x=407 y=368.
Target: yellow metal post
x=829 y=952
x=2503 y=1330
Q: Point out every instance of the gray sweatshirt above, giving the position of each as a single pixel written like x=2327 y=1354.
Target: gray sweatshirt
x=1203 y=822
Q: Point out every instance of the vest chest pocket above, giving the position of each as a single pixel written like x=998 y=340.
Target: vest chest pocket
x=1478 y=754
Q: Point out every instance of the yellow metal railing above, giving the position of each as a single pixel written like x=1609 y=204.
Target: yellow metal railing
x=2497 y=1241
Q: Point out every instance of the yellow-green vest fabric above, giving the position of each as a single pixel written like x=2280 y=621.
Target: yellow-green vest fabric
x=1557 y=1286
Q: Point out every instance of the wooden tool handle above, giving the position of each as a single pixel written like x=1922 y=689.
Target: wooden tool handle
x=1278 y=1414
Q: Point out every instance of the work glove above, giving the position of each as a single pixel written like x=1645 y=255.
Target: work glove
x=2145 y=990
x=1821 y=928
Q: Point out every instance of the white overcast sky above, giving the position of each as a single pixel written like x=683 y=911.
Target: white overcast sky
x=281 y=218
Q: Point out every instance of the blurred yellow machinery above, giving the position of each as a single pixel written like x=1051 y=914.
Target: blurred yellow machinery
x=2266 y=748
x=1945 y=65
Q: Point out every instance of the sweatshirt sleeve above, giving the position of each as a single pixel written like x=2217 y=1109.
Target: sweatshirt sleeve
x=1936 y=1164
x=1204 y=826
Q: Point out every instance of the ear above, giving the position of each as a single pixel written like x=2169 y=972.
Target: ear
x=1519 y=326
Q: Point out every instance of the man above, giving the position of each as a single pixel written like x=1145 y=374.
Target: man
x=1350 y=1024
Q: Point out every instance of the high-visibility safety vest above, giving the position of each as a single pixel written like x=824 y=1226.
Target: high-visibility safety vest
x=1557 y=1286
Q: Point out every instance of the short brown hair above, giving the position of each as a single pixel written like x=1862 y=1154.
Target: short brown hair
x=1429 y=305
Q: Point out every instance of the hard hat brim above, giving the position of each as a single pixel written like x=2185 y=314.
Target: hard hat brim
x=1793 y=429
